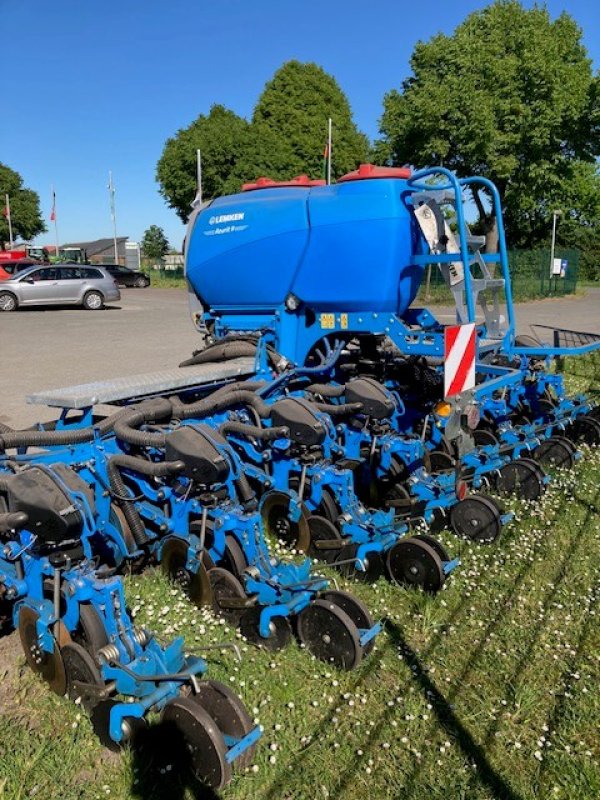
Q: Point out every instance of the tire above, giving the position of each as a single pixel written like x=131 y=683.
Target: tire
x=8 y=302
x=140 y=283
x=93 y=301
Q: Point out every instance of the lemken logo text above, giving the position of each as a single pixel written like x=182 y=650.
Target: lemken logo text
x=226 y=218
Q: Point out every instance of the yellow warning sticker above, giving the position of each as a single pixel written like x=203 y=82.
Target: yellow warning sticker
x=327 y=322
x=344 y=321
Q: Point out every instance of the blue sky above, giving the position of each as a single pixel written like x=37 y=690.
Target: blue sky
x=94 y=86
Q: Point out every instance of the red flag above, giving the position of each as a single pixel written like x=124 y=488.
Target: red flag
x=6 y=212
x=53 y=212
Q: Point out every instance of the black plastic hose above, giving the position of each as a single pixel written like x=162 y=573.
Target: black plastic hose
x=126 y=428
x=326 y=389
x=253 y=432
x=343 y=410
x=222 y=401
x=117 y=484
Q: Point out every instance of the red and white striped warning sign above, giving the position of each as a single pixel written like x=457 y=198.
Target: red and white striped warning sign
x=459 y=358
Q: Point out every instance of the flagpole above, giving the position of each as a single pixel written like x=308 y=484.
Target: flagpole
x=8 y=217
x=55 y=222
x=113 y=213
x=329 y=152
x=199 y=176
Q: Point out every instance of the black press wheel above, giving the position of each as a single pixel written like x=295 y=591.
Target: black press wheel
x=228 y=711
x=196 y=585
x=557 y=452
x=275 y=513
x=234 y=559
x=355 y=609
x=435 y=544
x=8 y=302
x=585 y=430
x=100 y=719
x=280 y=631
x=484 y=438
x=523 y=477
x=477 y=518
x=329 y=634
x=440 y=462
x=47 y=664
x=93 y=301
x=227 y=595
x=412 y=562
x=595 y=413
x=325 y=540
x=204 y=741
x=80 y=667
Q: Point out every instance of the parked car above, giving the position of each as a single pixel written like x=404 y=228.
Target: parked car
x=64 y=284
x=9 y=269
x=127 y=277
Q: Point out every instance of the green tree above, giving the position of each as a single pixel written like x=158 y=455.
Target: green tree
x=219 y=136
x=509 y=95
x=288 y=133
x=155 y=244
x=579 y=223
x=25 y=211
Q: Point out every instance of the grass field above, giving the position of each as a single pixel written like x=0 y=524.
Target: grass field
x=489 y=690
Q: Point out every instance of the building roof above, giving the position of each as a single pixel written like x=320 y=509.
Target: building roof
x=99 y=245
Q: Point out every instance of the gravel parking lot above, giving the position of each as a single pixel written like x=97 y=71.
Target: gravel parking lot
x=151 y=329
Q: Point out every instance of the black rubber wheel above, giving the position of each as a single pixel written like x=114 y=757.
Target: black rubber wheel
x=435 y=544
x=523 y=477
x=484 y=438
x=412 y=562
x=355 y=609
x=8 y=301
x=585 y=430
x=47 y=664
x=80 y=667
x=229 y=712
x=91 y=633
x=477 y=518
x=595 y=413
x=196 y=585
x=398 y=498
x=275 y=513
x=328 y=507
x=329 y=634
x=279 y=627
x=323 y=530
x=226 y=586
x=100 y=719
x=140 y=282
x=373 y=564
x=440 y=462
x=554 y=453
x=205 y=743
x=234 y=559
x=93 y=301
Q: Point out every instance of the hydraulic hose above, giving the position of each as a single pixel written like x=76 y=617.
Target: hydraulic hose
x=126 y=428
x=62 y=437
x=233 y=346
x=326 y=389
x=118 y=487
x=343 y=410
x=253 y=432
x=223 y=401
x=13 y=521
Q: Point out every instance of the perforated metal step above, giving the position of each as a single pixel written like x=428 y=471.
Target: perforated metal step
x=136 y=387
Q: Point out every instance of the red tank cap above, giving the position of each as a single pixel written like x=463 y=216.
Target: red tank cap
x=268 y=183
x=368 y=171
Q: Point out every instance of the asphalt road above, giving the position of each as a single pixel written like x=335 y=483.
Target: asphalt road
x=151 y=329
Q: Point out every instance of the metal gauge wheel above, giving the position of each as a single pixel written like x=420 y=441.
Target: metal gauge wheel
x=412 y=562
x=227 y=595
x=275 y=513
x=557 y=452
x=80 y=667
x=228 y=711
x=523 y=477
x=196 y=585
x=280 y=630
x=329 y=634
x=477 y=518
x=204 y=741
x=435 y=544
x=47 y=664
x=355 y=609
x=234 y=559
